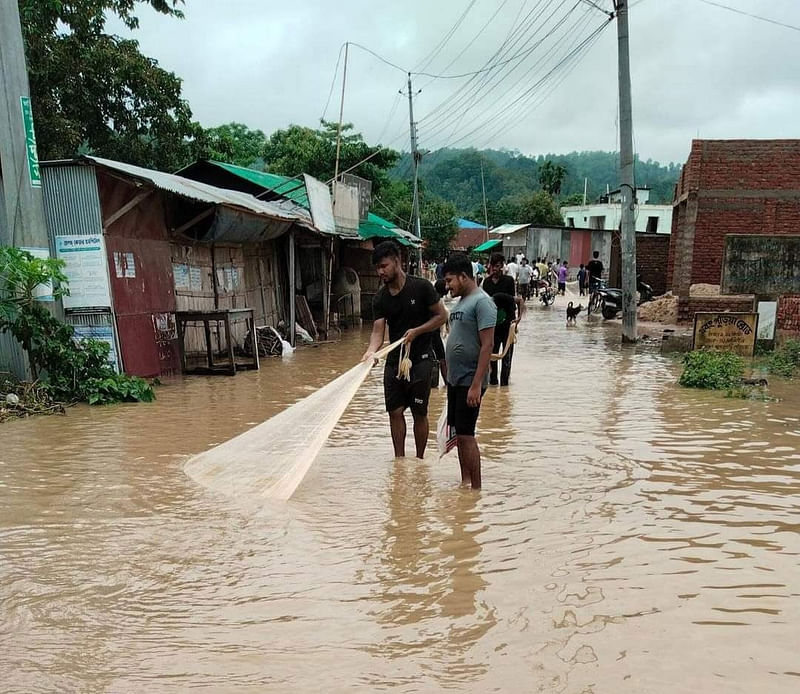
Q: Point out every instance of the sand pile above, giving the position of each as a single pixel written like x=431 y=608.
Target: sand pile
x=704 y=290
x=664 y=309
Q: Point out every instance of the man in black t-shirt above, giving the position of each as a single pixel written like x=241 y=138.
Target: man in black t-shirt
x=595 y=269
x=412 y=309
x=509 y=308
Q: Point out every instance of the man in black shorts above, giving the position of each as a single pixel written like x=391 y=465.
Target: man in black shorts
x=469 y=350
x=498 y=283
x=412 y=309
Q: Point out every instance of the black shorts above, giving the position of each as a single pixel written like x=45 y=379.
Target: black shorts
x=562 y=286
x=461 y=416
x=413 y=394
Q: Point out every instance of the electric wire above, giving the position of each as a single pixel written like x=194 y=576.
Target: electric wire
x=471 y=89
x=333 y=82
x=522 y=100
x=751 y=15
x=459 y=114
x=427 y=60
x=469 y=44
x=571 y=63
x=510 y=89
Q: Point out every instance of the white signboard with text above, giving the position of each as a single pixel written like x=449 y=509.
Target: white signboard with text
x=84 y=259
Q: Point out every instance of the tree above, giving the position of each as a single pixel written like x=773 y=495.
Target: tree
x=437 y=216
x=234 y=143
x=537 y=208
x=298 y=150
x=573 y=199
x=551 y=177
x=94 y=92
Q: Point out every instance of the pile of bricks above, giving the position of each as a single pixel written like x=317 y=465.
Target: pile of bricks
x=787 y=318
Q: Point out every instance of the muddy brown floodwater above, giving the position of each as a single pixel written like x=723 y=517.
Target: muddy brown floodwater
x=631 y=536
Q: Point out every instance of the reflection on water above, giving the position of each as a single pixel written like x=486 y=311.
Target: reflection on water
x=631 y=536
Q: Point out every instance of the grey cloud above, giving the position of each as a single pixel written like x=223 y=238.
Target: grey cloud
x=694 y=68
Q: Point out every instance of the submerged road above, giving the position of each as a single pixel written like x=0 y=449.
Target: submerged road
x=631 y=536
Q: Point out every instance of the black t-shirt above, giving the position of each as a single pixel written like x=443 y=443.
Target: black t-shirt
x=506 y=307
x=505 y=285
x=409 y=308
x=595 y=268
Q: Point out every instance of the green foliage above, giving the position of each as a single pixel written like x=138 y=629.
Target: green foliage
x=93 y=92
x=551 y=176
x=531 y=208
x=785 y=361
x=437 y=216
x=711 y=370
x=234 y=143
x=297 y=150
x=455 y=175
x=74 y=370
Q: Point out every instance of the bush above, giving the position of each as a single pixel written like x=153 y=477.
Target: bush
x=711 y=370
x=73 y=370
x=785 y=360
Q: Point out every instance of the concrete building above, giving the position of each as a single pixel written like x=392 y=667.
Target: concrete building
x=607 y=211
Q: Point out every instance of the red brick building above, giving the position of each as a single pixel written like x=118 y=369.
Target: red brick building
x=729 y=187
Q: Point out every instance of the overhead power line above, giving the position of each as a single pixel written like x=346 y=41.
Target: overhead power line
x=466 y=105
x=333 y=82
x=427 y=60
x=749 y=14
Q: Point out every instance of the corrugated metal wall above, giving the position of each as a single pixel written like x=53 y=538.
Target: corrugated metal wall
x=71 y=201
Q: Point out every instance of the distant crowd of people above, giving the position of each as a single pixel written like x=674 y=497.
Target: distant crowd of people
x=529 y=276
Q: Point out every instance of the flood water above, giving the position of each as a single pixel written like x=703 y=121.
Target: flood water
x=631 y=536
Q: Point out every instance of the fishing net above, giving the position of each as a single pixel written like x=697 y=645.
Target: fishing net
x=271 y=459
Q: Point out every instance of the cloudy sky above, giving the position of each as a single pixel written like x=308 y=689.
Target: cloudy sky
x=551 y=86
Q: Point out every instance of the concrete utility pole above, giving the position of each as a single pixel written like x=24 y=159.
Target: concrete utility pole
x=626 y=180
x=416 y=157
x=24 y=225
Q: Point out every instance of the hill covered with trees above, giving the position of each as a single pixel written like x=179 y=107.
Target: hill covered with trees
x=511 y=177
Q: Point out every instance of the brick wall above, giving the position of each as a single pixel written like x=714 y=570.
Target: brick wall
x=711 y=304
x=739 y=187
x=787 y=319
x=652 y=251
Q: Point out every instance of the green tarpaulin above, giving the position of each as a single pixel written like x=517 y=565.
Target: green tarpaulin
x=487 y=246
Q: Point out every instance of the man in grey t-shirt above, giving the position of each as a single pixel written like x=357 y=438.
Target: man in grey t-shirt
x=468 y=353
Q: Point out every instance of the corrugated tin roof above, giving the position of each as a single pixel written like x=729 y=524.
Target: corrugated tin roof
x=508 y=228
x=292 y=188
x=194 y=190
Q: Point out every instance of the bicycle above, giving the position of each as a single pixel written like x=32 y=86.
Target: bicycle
x=595 y=298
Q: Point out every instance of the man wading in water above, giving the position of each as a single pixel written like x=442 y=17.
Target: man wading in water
x=469 y=349
x=412 y=309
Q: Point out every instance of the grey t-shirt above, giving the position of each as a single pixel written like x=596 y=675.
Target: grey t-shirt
x=469 y=316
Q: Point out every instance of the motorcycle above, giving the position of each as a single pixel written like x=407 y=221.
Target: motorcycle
x=609 y=299
x=547 y=295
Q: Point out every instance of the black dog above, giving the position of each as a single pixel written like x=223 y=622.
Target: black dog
x=572 y=313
